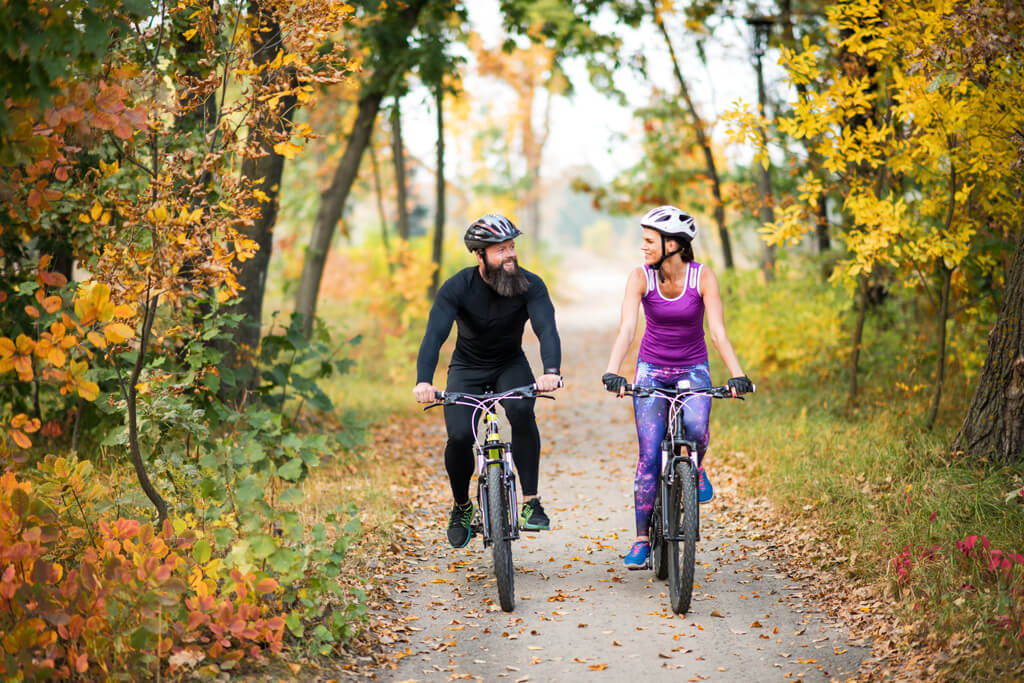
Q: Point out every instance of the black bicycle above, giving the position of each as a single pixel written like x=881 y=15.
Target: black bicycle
x=675 y=520
x=496 y=480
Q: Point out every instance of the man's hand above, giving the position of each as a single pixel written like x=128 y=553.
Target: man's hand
x=424 y=392
x=549 y=382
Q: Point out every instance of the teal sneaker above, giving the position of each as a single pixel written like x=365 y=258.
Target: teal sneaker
x=533 y=518
x=705 y=492
x=459 y=525
x=638 y=555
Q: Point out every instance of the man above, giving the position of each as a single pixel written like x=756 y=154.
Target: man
x=491 y=303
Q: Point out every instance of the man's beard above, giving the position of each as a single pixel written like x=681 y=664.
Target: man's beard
x=504 y=282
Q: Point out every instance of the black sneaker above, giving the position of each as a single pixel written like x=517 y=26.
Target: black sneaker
x=459 y=531
x=532 y=518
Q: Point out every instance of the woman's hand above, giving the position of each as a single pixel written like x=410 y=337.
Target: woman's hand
x=614 y=383
x=741 y=385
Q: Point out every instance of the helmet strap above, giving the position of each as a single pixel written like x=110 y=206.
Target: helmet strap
x=665 y=255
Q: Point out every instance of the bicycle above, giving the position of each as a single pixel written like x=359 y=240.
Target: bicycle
x=677 y=522
x=496 y=480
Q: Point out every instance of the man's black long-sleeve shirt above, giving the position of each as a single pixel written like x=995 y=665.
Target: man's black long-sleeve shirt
x=490 y=326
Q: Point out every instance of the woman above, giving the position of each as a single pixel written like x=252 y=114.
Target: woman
x=675 y=292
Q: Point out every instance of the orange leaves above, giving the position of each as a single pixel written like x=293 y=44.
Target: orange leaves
x=88 y=623
x=21 y=426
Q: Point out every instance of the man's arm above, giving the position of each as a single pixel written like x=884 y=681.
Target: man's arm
x=439 y=326
x=542 y=319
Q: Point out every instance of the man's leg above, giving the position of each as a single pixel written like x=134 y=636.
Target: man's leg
x=458 y=455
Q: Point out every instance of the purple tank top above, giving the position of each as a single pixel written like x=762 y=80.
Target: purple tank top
x=675 y=327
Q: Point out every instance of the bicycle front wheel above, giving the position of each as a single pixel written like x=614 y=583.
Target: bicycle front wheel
x=659 y=547
x=682 y=526
x=501 y=536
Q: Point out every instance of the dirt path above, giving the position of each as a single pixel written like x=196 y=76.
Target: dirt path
x=580 y=615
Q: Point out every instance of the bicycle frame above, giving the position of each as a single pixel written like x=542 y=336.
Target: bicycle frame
x=673 y=443
x=488 y=448
x=491 y=451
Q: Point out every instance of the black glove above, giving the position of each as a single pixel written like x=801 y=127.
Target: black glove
x=613 y=382
x=742 y=385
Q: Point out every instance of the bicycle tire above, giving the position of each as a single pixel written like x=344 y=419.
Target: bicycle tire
x=501 y=543
x=682 y=524
x=659 y=547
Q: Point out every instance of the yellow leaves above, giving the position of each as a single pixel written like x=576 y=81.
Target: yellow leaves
x=92 y=303
x=186 y=217
x=109 y=169
x=88 y=390
x=96 y=214
x=117 y=333
x=158 y=214
x=287 y=149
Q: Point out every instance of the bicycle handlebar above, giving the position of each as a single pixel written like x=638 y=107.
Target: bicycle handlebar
x=713 y=392
x=447 y=398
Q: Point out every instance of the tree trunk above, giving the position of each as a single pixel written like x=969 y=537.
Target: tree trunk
x=130 y=391
x=380 y=208
x=813 y=158
x=332 y=200
x=821 y=225
x=439 y=215
x=767 y=210
x=398 y=155
x=940 y=362
x=702 y=140
x=858 y=334
x=264 y=172
x=994 y=424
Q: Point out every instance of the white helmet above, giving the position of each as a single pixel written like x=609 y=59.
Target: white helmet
x=670 y=222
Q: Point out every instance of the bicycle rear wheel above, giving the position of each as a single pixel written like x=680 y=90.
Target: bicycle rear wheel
x=659 y=547
x=501 y=541
x=682 y=525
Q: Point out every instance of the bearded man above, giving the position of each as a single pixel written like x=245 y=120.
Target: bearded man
x=491 y=303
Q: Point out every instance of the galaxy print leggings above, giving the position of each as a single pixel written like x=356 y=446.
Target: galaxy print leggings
x=651 y=424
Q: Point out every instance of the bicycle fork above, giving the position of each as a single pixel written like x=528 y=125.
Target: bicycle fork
x=495 y=453
x=670 y=455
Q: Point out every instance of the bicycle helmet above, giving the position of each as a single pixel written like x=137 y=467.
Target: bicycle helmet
x=489 y=229
x=670 y=223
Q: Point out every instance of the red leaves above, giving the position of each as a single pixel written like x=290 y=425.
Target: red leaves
x=110 y=99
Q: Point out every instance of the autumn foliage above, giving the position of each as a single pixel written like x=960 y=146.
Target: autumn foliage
x=125 y=206
x=88 y=596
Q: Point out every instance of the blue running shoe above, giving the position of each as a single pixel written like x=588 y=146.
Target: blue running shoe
x=705 y=491
x=638 y=555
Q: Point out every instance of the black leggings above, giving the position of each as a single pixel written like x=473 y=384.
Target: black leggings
x=458 y=453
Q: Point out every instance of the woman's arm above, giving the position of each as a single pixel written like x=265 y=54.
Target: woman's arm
x=635 y=286
x=716 y=321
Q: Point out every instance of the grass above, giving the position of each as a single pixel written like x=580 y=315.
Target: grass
x=893 y=498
